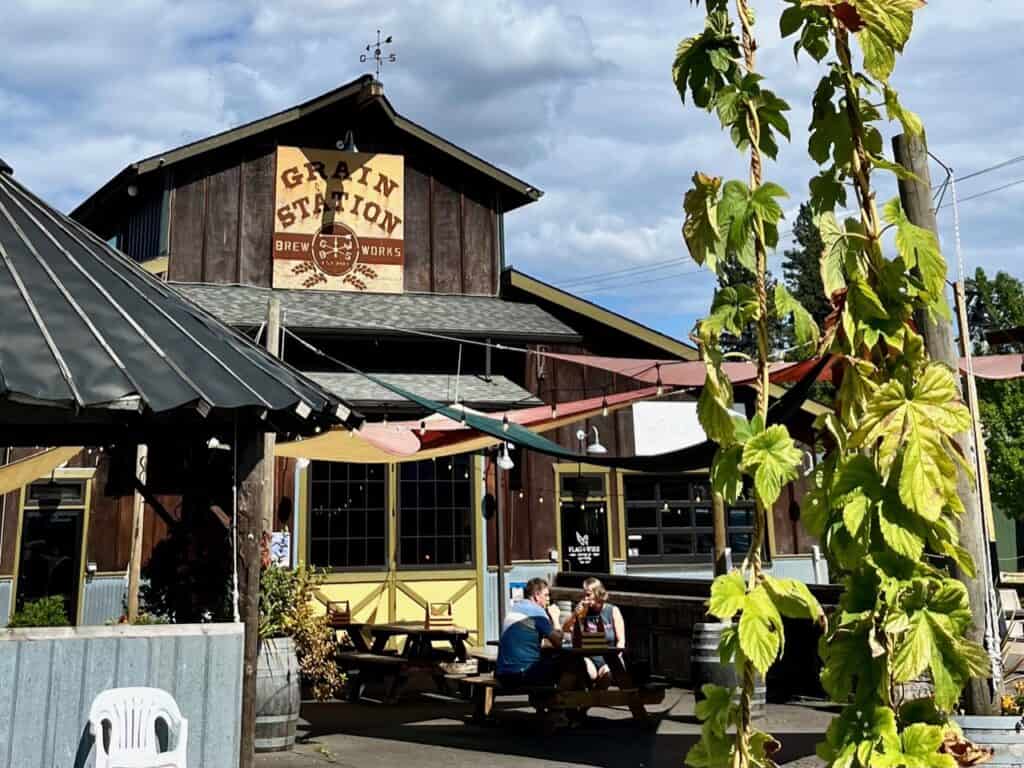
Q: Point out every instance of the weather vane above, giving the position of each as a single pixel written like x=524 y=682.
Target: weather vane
x=378 y=54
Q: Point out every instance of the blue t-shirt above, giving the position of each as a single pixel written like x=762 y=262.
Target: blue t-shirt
x=526 y=624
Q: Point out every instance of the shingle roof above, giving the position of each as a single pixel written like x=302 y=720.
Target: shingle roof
x=482 y=316
x=472 y=390
x=86 y=329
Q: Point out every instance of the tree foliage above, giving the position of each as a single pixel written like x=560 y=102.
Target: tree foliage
x=997 y=304
x=884 y=500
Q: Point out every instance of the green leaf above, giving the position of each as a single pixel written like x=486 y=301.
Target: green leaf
x=762 y=201
x=729 y=644
x=726 y=478
x=863 y=300
x=827 y=191
x=700 y=227
x=914 y=651
x=715 y=401
x=889 y=20
x=919 y=749
x=711 y=752
x=793 y=598
x=879 y=57
x=804 y=327
x=900 y=530
x=847 y=659
x=698 y=61
x=728 y=595
x=833 y=239
x=855 y=512
x=895 y=110
x=760 y=630
x=895 y=168
x=713 y=709
x=858 y=475
x=773 y=459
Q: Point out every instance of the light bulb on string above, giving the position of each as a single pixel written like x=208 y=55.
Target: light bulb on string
x=661 y=387
x=504 y=423
x=604 y=407
x=554 y=410
x=423 y=428
x=384 y=422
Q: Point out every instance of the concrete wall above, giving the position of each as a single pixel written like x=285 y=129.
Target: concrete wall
x=49 y=677
x=103 y=599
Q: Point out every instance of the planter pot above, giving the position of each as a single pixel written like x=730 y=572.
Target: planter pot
x=1002 y=733
x=277 y=695
x=707 y=667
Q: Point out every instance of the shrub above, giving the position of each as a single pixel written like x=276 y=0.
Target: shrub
x=286 y=610
x=45 y=612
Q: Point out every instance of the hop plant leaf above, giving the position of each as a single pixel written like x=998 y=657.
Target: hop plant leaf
x=760 y=630
x=773 y=459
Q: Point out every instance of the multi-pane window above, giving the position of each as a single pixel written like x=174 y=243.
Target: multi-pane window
x=668 y=520
x=435 y=512
x=348 y=520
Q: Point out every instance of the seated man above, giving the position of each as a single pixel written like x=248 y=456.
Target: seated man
x=527 y=624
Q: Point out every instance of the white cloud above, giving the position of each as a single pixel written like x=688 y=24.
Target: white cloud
x=575 y=98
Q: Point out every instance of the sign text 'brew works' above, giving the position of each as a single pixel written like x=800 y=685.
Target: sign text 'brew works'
x=338 y=220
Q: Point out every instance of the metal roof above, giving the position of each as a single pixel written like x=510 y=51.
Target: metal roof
x=87 y=329
x=473 y=390
x=364 y=90
x=376 y=313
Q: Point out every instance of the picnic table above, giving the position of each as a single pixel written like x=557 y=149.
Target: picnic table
x=574 y=693
x=373 y=661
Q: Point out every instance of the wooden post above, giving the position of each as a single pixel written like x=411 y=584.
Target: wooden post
x=981 y=462
x=135 y=554
x=499 y=527
x=269 y=439
x=251 y=490
x=912 y=153
x=718 y=528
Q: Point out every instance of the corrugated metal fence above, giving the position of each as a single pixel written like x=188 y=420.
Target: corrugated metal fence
x=104 y=598
x=5 y=601
x=49 y=677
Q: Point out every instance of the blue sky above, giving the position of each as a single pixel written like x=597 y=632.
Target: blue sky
x=575 y=98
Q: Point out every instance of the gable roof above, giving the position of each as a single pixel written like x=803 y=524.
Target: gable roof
x=376 y=313
x=364 y=91
x=515 y=280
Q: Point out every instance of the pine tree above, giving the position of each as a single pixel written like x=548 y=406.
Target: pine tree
x=801 y=270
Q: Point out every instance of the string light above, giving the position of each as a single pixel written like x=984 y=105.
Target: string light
x=554 y=410
x=385 y=420
x=604 y=407
x=504 y=423
x=661 y=388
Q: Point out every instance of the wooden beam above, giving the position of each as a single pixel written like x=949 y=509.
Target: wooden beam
x=135 y=554
x=154 y=502
x=249 y=529
x=273 y=342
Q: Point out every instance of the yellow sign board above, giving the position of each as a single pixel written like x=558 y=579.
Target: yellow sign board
x=338 y=220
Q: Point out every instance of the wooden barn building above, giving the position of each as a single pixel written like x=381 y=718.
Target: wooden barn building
x=385 y=245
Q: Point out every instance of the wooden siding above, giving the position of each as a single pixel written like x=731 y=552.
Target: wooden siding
x=221 y=227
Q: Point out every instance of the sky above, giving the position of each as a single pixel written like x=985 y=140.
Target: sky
x=575 y=98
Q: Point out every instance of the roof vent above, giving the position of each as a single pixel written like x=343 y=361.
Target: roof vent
x=5 y=168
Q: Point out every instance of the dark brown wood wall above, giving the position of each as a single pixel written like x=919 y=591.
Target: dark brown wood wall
x=221 y=227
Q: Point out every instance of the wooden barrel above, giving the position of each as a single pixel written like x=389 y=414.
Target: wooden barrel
x=1003 y=734
x=706 y=666
x=277 y=695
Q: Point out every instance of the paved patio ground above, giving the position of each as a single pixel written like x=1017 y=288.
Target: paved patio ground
x=430 y=731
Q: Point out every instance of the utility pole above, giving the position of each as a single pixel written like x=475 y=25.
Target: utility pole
x=981 y=695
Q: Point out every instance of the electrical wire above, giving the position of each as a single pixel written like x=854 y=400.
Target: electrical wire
x=600 y=277
x=632 y=283
x=987 y=192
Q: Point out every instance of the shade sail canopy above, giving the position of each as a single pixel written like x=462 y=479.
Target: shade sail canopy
x=470 y=431
x=20 y=473
x=87 y=330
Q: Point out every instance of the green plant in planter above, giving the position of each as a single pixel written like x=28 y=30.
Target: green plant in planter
x=884 y=502
x=286 y=610
x=44 y=612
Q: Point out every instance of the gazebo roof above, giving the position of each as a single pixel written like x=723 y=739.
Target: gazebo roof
x=90 y=338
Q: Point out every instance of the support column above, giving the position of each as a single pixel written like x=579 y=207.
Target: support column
x=251 y=491
x=915 y=194
x=135 y=556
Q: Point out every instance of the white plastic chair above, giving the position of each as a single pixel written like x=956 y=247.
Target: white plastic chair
x=132 y=715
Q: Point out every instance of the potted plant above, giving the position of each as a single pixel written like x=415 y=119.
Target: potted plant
x=296 y=647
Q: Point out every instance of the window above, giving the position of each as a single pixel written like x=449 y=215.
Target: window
x=435 y=512
x=583 y=516
x=668 y=520
x=348 y=519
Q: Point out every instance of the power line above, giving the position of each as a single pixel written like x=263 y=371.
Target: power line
x=630 y=284
x=596 y=276
x=987 y=192
x=996 y=167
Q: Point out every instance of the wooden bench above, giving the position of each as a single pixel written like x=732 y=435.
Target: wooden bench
x=485 y=688
x=392 y=670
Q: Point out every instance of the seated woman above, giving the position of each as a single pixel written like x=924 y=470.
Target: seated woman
x=593 y=613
